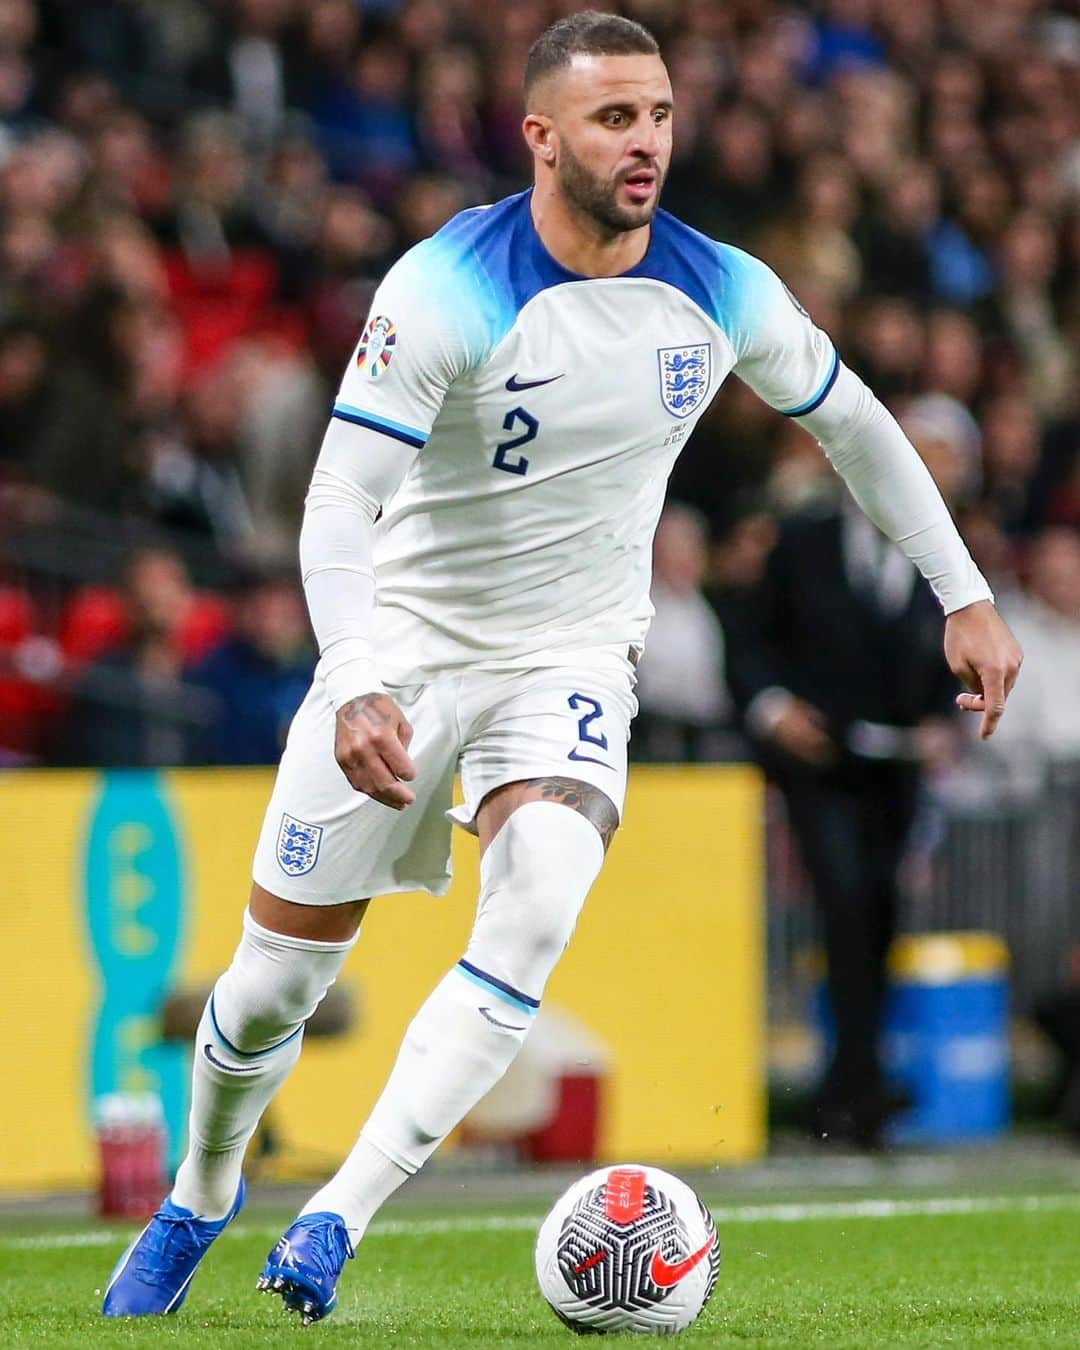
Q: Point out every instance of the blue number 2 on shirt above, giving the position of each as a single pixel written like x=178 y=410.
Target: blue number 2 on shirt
x=585 y=736
x=531 y=425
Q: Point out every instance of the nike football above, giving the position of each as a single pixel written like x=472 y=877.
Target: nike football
x=628 y=1248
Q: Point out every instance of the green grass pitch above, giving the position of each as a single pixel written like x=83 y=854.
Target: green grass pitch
x=867 y=1272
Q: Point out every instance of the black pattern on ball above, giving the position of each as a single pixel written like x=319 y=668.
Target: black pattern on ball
x=606 y=1265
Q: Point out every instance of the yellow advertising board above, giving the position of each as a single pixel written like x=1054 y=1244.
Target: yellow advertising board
x=126 y=886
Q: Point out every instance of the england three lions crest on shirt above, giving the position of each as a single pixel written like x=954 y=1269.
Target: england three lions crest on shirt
x=685 y=376
x=298 y=845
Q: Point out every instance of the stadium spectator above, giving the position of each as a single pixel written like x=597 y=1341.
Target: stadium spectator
x=65 y=438
x=947 y=437
x=681 y=695
x=259 y=674
x=1026 y=309
x=1047 y=722
x=730 y=186
x=1011 y=450
x=193 y=478
x=449 y=124
x=813 y=243
x=898 y=241
x=131 y=706
x=352 y=245
x=284 y=400
x=952 y=356
x=247 y=67
x=888 y=341
x=365 y=123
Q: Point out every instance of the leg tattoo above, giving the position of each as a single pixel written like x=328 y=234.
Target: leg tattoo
x=589 y=801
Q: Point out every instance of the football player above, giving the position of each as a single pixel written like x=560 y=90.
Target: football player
x=518 y=396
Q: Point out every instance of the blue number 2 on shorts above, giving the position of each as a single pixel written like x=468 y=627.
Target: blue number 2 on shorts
x=585 y=736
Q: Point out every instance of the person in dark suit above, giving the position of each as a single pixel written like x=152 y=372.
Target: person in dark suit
x=836 y=663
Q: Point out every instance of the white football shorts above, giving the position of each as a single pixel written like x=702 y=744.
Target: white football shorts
x=323 y=843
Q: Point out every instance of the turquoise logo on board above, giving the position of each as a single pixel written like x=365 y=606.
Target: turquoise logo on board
x=134 y=911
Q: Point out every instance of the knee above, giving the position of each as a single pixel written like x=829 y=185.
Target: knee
x=523 y=935
x=554 y=917
x=274 y=984
x=252 y=1015
x=535 y=876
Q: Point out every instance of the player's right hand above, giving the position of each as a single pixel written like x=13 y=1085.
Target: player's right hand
x=370 y=745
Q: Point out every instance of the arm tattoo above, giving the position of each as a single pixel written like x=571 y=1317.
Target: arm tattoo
x=367 y=706
x=598 y=809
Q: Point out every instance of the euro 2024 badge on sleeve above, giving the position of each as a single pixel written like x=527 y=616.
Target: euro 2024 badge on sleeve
x=685 y=376
x=297 y=845
x=376 y=349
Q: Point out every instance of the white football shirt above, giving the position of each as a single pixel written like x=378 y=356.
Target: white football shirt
x=550 y=408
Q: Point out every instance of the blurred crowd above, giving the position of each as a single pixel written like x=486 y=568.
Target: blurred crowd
x=197 y=198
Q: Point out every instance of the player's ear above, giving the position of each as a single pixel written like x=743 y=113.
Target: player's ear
x=539 y=133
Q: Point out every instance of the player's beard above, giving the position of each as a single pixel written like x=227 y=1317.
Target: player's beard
x=597 y=197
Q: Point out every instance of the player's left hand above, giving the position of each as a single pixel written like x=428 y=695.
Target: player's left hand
x=983 y=654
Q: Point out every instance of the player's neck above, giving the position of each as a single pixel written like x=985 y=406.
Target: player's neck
x=580 y=244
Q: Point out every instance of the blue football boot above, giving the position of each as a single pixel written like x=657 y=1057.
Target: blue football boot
x=153 y=1275
x=305 y=1264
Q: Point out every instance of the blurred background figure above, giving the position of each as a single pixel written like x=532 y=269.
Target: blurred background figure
x=258 y=675
x=1058 y=1014
x=131 y=706
x=838 y=670
x=1046 y=725
x=684 y=706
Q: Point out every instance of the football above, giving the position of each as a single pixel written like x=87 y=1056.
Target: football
x=628 y=1248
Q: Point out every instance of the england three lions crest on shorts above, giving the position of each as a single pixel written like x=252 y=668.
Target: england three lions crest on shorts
x=685 y=376
x=298 y=846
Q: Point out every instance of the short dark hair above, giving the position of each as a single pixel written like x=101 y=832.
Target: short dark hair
x=590 y=33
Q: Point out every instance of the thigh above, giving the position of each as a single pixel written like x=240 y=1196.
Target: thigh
x=323 y=843
x=315 y=923
x=497 y=806
x=891 y=806
x=546 y=731
x=829 y=825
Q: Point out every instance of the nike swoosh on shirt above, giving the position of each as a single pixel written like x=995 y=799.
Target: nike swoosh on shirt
x=514 y=384
x=666 y=1274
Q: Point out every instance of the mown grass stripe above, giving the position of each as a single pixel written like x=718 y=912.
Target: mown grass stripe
x=723 y=1214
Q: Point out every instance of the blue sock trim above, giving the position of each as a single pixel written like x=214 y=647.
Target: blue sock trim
x=505 y=991
x=247 y=1054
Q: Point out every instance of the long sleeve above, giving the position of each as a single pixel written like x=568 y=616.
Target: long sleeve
x=786 y=359
x=339 y=583
x=410 y=351
x=889 y=480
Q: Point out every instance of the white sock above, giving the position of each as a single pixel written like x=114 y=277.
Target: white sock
x=366 y=1180
x=456 y=1049
x=247 y=1042
x=534 y=879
